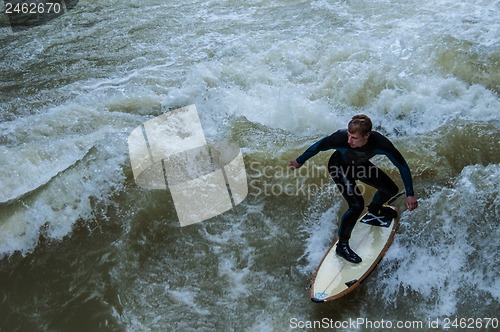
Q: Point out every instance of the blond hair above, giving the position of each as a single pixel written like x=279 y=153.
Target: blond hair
x=360 y=124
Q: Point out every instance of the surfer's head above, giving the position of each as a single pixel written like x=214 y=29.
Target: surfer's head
x=358 y=130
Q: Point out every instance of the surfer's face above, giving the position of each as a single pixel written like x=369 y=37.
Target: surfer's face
x=356 y=140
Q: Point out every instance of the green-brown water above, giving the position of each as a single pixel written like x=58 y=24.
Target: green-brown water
x=83 y=248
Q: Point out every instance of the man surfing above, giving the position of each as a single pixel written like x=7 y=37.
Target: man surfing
x=350 y=162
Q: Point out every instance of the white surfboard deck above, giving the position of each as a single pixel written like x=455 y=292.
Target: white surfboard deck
x=335 y=276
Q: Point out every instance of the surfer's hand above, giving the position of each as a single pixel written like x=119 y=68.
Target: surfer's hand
x=294 y=164
x=411 y=203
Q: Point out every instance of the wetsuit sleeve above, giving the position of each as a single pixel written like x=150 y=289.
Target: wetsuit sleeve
x=399 y=161
x=330 y=142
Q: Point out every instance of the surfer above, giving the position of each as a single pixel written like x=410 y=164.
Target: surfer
x=355 y=146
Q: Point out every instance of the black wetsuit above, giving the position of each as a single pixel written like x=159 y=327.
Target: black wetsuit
x=346 y=165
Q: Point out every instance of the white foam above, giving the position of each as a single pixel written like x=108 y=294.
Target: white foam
x=65 y=199
x=321 y=228
x=444 y=252
x=312 y=88
x=52 y=171
x=236 y=278
x=424 y=110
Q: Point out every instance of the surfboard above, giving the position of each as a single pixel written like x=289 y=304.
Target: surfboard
x=370 y=239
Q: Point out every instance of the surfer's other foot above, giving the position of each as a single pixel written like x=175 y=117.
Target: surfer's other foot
x=344 y=251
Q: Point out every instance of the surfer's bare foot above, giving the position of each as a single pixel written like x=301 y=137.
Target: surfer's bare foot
x=344 y=251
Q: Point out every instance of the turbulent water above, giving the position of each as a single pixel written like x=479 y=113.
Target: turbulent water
x=82 y=247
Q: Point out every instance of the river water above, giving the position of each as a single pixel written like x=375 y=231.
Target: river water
x=83 y=248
